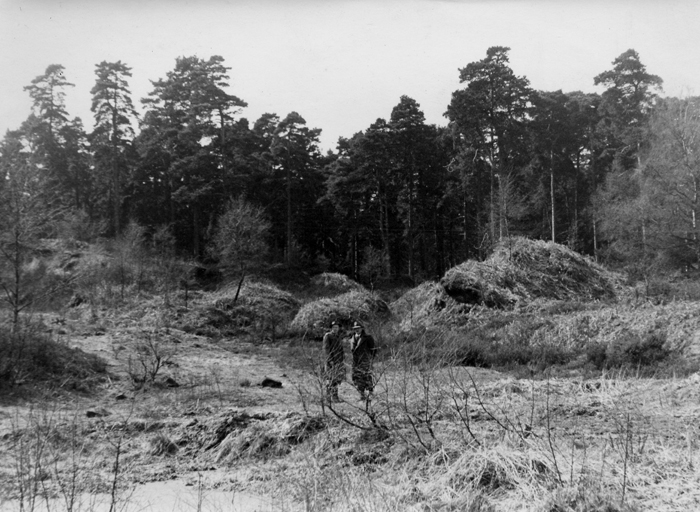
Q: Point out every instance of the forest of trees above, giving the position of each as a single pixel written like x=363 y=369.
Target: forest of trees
x=615 y=175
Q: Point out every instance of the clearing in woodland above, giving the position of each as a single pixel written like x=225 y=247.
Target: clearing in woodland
x=533 y=381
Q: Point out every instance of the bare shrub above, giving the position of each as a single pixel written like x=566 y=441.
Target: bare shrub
x=129 y=258
x=239 y=242
x=585 y=498
x=167 y=270
x=150 y=355
x=116 y=272
x=110 y=273
x=53 y=465
x=630 y=350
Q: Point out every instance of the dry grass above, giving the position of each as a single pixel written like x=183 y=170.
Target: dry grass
x=498 y=443
x=30 y=355
x=54 y=459
x=426 y=305
x=549 y=446
x=527 y=276
x=520 y=270
x=261 y=310
x=160 y=444
x=315 y=317
x=329 y=284
x=273 y=437
x=676 y=325
x=255 y=294
x=435 y=436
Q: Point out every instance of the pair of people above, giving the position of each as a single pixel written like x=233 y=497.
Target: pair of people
x=363 y=350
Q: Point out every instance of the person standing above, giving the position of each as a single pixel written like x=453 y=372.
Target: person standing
x=363 y=351
x=334 y=368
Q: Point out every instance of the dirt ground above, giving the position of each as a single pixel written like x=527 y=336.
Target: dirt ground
x=207 y=410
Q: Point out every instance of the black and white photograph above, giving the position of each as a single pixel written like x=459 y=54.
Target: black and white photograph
x=349 y=255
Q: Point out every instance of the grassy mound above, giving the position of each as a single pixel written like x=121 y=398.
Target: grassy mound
x=484 y=283
x=32 y=356
x=315 y=317
x=522 y=270
x=425 y=305
x=631 y=333
x=260 y=308
x=272 y=438
x=332 y=283
x=255 y=294
x=527 y=276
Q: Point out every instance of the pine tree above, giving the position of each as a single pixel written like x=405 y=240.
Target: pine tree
x=489 y=116
x=111 y=139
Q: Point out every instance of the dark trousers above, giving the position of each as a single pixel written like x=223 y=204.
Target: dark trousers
x=334 y=375
x=362 y=376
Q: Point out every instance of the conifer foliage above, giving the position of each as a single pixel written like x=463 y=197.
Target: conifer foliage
x=612 y=175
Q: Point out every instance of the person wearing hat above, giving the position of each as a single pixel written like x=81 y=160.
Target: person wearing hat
x=363 y=351
x=334 y=368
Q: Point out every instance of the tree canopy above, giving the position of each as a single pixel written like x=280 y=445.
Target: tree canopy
x=612 y=174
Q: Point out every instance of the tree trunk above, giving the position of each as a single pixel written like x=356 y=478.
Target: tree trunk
x=196 y=231
x=355 y=258
x=17 y=285
x=595 y=241
x=439 y=245
x=116 y=220
x=288 y=254
x=465 y=221
x=502 y=215
x=238 y=289
x=694 y=218
x=410 y=229
x=551 y=192
x=492 y=204
x=384 y=233
x=576 y=185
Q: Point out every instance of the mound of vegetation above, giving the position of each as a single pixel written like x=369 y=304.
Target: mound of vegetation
x=331 y=283
x=260 y=308
x=271 y=438
x=425 y=305
x=29 y=355
x=255 y=294
x=315 y=317
x=522 y=270
x=644 y=337
x=633 y=332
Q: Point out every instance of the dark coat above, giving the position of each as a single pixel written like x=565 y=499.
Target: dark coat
x=363 y=348
x=335 y=357
x=363 y=351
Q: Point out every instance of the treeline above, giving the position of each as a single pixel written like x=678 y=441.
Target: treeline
x=614 y=175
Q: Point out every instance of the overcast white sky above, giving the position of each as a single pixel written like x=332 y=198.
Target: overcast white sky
x=341 y=63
